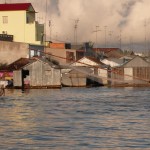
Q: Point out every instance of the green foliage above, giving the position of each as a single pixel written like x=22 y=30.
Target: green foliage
x=91 y=44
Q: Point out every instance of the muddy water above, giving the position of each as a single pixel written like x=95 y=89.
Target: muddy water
x=76 y=119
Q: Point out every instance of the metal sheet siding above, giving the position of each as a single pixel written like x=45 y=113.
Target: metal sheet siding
x=42 y=74
x=17 y=78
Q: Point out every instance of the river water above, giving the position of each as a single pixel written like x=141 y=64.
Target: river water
x=75 y=119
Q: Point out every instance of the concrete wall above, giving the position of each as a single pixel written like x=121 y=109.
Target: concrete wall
x=11 y=51
x=103 y=75
x=57 y=52
x=74 y=79
x=60 y=54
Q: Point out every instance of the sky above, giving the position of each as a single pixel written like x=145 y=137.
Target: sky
x=106 y=23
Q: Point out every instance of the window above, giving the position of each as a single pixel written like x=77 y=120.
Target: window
x=5 y=19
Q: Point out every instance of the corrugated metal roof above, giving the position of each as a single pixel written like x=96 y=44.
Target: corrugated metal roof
x=15 y=6
x=137 y=61
x=43 y=60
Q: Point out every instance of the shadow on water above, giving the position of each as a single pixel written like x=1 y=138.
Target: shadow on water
x=75 y=118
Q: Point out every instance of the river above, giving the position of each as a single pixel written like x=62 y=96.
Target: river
x=99 y=118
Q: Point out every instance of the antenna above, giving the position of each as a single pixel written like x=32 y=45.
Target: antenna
x=75 y=29
x=45 y=19
x=131 y=44
x=50 y=29
x=110 y=43
x=120 y=39
x=145 y=25
x=105 y=35
x=96 y=35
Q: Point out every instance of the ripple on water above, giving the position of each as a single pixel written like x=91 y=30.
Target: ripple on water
x=75 y=118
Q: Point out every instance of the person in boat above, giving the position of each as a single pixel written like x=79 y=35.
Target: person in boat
x=2 y=91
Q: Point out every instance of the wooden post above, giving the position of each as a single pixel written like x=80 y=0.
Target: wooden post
x=22 y=80
x=2 y=90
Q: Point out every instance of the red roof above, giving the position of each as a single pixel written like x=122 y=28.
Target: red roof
x=15 y=6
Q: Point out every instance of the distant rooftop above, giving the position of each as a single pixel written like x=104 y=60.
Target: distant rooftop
x=105 y=50
x=15 y=6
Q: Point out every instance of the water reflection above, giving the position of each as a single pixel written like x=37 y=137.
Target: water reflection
x=76 y=118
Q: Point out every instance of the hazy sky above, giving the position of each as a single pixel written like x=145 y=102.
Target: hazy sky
x=119 y=21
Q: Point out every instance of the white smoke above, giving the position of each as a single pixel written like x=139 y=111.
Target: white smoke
x=126 y=20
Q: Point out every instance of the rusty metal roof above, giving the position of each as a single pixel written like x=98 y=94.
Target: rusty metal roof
x=18 y=64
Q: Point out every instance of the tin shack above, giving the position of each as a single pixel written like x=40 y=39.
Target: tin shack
x=42 y=74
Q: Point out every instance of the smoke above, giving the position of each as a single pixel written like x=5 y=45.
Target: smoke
x=125 y=11
x=118 y=20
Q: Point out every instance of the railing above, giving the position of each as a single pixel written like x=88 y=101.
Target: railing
x=6 y=37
